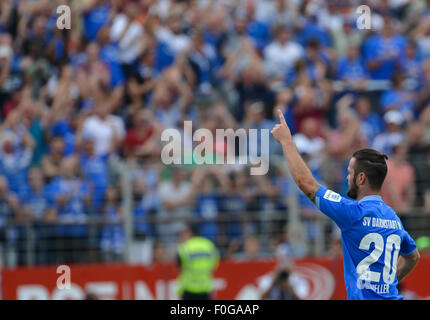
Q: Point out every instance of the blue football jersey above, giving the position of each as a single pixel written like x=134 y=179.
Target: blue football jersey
x=372 y=239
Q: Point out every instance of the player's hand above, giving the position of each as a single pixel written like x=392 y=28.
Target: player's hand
x=281 y=132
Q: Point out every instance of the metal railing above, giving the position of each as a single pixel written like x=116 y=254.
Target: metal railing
x=242 y=235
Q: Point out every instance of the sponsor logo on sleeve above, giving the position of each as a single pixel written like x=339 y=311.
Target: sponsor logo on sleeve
x=332 y=196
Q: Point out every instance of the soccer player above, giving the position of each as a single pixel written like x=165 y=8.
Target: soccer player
x=373 y=236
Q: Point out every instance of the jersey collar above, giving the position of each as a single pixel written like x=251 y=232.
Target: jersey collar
x=372 y=197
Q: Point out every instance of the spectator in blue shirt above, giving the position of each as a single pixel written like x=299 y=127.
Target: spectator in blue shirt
x=399 y=98
x=201 y=59
x=410 y=64
x=142 y=227
x=312 y=30
x=96 y=15
x=34 y=198
x=109 y=54
x=316 y=60
x=112 y=236
x=56 y=45
x=257 y=30
x=64 y=128
x=35 y=206
x=207 y=200
x=352 y=69
x=70 y=196
x=207 y=208
x=215 y=34
x=16 y=151
x=371 y=122
x=95 y=171
x=233 y=204
x=164 y=56
x=383 y=50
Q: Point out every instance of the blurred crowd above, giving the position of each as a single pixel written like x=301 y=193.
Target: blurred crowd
x=80 y=105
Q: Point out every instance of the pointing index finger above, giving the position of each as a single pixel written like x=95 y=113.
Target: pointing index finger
x=281 y=116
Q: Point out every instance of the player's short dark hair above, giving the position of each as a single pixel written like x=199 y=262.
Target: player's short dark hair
x=372 y=163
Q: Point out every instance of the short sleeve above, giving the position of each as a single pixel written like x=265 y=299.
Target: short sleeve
x=408 y=245
x=336 y=207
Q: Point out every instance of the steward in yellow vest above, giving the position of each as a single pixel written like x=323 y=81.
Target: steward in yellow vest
x=198 y=258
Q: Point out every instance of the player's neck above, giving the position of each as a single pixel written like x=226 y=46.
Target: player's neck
x=365 y=193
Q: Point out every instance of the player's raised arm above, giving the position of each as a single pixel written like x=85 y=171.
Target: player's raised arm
x=300 y=172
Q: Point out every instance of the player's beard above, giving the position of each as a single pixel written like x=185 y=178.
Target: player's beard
x=353 y=190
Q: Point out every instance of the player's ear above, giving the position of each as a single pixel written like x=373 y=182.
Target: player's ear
x=361 y=178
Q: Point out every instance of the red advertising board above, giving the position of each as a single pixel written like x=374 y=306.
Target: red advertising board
x=320 y=278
